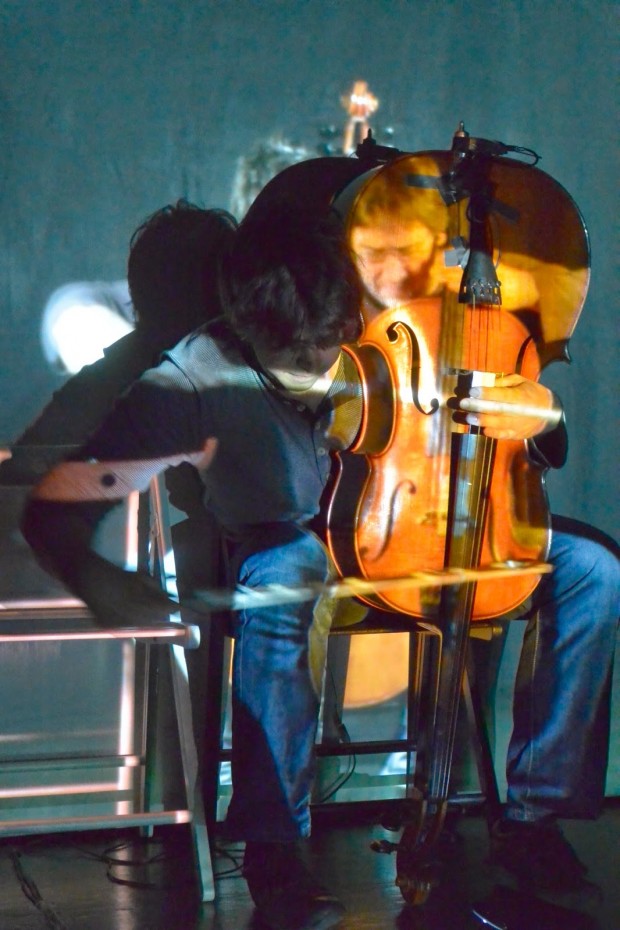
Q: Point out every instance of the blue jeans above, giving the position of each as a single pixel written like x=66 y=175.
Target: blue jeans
x=275 y=701
x=557 y=756
x=558 y=751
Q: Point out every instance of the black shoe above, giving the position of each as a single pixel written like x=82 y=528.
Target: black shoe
x=286 y=895
x=538 y=855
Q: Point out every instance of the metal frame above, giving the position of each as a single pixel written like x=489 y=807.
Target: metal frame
x=62 y=619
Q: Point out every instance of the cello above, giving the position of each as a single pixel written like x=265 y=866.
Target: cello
x=475 y=265
x=375 y=668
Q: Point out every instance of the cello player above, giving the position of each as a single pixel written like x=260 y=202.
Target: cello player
x=557 y=755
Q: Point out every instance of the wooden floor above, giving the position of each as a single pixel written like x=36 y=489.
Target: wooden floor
x=117 y=880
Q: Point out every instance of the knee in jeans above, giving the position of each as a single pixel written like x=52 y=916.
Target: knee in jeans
x=604 y=569
x=588 y=559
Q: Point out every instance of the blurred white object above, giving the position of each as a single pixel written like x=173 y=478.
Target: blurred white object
x=81 y=319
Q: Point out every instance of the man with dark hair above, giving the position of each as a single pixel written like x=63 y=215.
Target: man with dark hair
x=172 y=274
x=172 y=268
x=251 y=396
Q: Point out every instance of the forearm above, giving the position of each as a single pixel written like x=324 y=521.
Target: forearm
x=61 y=536
x=136 y=442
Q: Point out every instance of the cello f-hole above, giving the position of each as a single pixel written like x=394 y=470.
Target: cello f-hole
x=393 y=333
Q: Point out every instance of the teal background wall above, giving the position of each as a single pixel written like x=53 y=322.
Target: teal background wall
x=111 y=108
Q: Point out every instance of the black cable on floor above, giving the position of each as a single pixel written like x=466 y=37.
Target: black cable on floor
x=235 y=856
x=343 y=734
x=112 y=862
x=29 y=887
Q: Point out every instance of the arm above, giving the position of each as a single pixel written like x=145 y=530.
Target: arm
x=76 y=409
x=61 y=536
x=68 y=504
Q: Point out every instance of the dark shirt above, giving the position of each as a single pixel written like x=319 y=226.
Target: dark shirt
x=272 y=456
x=78 y=407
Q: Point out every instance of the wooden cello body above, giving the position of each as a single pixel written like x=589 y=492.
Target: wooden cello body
x=421 y=344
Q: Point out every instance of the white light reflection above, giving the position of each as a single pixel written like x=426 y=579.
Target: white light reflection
x=82 y=319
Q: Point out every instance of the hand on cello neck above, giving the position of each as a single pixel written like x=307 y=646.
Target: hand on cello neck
x=513 y=408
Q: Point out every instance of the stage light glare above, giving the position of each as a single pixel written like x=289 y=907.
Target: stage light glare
x=80 y=320
x=83 y=331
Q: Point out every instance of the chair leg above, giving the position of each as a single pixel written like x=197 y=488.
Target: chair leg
x=338 y=648
x=481 y=745
x=217 y=667
x=189 y=760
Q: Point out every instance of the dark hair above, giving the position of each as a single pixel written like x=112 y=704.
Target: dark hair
x=173 y=267
x=290 y=280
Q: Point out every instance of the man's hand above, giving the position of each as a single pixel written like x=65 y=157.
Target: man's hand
x=514 y=408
